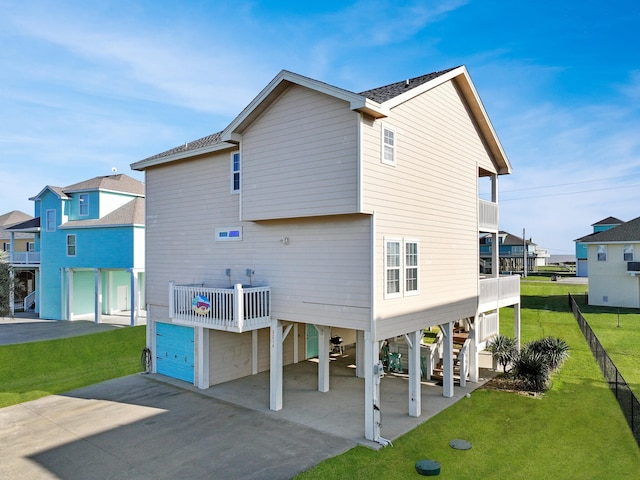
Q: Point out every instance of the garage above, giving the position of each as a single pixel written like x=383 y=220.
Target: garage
x=175 y=347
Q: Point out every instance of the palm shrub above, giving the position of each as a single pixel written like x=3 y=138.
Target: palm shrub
x=531 y=369
x=504 y=349
x=554 y=350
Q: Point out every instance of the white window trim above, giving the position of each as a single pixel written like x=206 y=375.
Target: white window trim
x=233 y=172
x=387 y=268
x=46 y=220
x=394 y=147
x=80 y=204
x=601 y=249
x=75 y=244
x=408 y=293
x=403 y=292
x=628 y=249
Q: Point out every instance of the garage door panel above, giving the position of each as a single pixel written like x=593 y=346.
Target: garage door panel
x=175 y=351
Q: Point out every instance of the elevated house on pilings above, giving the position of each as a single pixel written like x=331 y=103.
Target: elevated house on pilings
x=320 y=213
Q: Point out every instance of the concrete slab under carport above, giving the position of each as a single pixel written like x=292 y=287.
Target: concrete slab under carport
x=137 y=428
x=340 y=411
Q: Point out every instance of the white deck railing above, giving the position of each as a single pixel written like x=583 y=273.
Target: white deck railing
x=487 y=215
x=487 y=327
x=238 y=309
x=498 y=292
x=25 y=258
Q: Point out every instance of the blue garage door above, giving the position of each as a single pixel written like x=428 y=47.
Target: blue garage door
x=174 y=344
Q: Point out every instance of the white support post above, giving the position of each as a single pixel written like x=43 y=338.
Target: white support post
x=254 y=352
x=110 y=293
x=69 y=302
x=12 y=279
x=474 y=359
x=360 y=353
x=371 y=388
x=516 y=324
x=415 y=392
x=172 y=300
x=134 y=297
x=447 y=360
x=238 y=306
x=323 y=358
x=296 y=344
x=97 y=308
x=275 y=374
x=202 y=357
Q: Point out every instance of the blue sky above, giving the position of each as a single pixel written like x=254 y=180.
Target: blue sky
x=88 y=86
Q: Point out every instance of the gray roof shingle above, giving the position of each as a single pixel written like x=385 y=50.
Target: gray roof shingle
x=117 y=183
x=131 y=213
x=627 y=232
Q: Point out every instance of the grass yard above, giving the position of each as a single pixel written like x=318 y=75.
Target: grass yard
x=619 y=333
x=576 y=430
x=36 y=369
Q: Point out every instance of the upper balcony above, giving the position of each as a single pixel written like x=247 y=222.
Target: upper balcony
x=237 y=309
x=487 y=216
x=24 y=258
x=498 y=292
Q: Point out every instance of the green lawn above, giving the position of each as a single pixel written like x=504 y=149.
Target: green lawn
x=619 y=333
x=576 y=430
x=36 y=369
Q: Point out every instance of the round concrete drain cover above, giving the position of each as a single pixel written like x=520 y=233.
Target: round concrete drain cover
x=460 y=444
x=428 y=468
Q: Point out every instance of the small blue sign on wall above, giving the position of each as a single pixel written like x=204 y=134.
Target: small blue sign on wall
x=228 y=234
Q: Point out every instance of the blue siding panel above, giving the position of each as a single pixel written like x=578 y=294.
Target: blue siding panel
x=175 y=347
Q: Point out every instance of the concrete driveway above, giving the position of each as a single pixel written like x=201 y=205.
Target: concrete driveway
x=138 y=428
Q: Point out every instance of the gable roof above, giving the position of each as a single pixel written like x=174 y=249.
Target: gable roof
x=627 y=232
x=112 y=183
x=376 y=102
x=608 y=221
x=30 y=225
x=12 y=218
x=131 y=213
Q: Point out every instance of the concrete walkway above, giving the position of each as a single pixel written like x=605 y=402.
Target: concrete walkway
x=153 y=427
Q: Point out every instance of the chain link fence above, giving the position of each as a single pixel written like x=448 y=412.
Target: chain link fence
x=625 y=396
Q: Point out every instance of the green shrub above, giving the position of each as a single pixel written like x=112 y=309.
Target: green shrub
x=531 y=370
x=554 y=350
x=504 y=350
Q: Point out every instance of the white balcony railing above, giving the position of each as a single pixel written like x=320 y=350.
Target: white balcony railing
x=487 y=327
x=238 y=309
x=497 y=292
x=487 y=216
x=25 y=258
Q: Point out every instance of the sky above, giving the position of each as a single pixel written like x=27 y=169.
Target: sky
x=86 y=87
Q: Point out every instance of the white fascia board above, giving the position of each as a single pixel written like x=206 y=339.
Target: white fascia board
x=356 y=102
x=143 y=164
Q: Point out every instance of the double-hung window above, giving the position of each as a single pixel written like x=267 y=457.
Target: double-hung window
x=235 y=172
x=627 y=254
x=388 y=146
x=71 y=245
x=602 y=253
x=83 y=204
x=50 y=221
x=401 y=267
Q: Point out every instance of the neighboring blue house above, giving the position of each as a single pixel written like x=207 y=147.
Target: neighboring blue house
x=581 y=248
x=510 y=253
x=90 y=236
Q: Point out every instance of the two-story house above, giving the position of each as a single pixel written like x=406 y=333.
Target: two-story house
x=581 y=247
x=319 y=212
x=20 y=248
x=511 y=251
x=89 y=246
x=613 y=262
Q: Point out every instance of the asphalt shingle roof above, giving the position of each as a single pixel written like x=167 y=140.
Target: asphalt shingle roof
x=116 y=183
x=627 y=232
x=609 y=221
x=131 y=213
x=379 y=95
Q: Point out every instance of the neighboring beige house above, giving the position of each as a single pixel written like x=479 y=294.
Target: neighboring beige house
x=613 y=263
x=320 y=212
x=23 y=258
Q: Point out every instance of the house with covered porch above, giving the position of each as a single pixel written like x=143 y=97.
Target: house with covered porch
x=88 y=249
x=320 y=213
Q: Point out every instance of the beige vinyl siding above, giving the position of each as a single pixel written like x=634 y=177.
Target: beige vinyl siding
x=321 y=276
x=300 y=158
x=610 y=279
x=431 y=196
